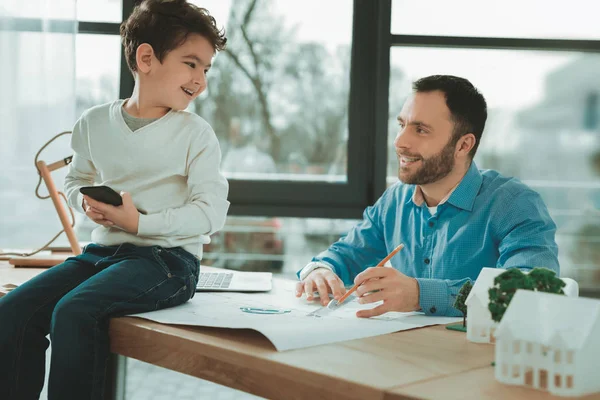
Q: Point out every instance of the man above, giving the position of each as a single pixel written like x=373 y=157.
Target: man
x=452 y=218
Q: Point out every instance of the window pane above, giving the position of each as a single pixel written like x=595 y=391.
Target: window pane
x=47 y=9
x=98 y=70
x=97 y=83
x=536 y=100
x=278 y=245
x=576 y=19
x=278 y=95
x=99 y=10
x=37 y=77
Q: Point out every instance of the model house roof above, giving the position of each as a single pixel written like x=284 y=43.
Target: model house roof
x=484 y=282
x=550 y=319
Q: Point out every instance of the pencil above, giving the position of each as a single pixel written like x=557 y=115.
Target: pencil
x=381 y=264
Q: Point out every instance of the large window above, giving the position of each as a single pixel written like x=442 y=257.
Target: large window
x=278 y=245
x=278 y=98
x=37 y=70
x=52 y=53
x=545 y=105
x=100 y=10
x=278 y=95
x=576 y=19
x=97 y=76
x=541 y=80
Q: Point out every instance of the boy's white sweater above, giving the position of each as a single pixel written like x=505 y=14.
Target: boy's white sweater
x=170 y=167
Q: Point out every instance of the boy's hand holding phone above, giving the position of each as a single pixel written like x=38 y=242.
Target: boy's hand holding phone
x=95 y=214
x=125 y=216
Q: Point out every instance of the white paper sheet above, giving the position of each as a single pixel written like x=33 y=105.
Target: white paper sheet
x=291 y=330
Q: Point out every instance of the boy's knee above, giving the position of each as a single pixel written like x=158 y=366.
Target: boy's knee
x=10 y=320
x=69 y=314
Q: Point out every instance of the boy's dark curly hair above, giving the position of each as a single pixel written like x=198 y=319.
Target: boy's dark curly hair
x=165 y=25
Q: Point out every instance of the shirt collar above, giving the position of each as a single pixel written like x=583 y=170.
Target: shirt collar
x=462 y=195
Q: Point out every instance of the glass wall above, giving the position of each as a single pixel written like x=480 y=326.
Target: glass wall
x=543 y=105
x=37 y=82
x=81 y=66
x=543 y=128
x=278 y=95
x=540 y=19
x=278 y=245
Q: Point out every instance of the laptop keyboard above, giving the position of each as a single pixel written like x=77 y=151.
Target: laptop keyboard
x=214 y=280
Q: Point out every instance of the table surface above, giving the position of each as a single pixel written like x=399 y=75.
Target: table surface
x=430 y=362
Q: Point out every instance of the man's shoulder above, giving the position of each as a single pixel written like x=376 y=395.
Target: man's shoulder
x=504 y=186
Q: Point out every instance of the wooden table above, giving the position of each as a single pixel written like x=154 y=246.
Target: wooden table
x=429 y=362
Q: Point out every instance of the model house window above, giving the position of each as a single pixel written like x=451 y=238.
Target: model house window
x=529 y=347
x=543 y=382
x=570 y=357
x=516 y=371
x=528 y=376
x=516 y=347
x=557 y=356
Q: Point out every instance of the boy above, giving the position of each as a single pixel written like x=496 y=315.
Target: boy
x=164 y=161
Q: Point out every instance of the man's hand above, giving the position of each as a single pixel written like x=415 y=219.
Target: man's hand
x=125 y=216
x=398 y=291
x=324 y=281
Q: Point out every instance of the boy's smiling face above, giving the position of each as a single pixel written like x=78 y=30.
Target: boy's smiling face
x=181 y=77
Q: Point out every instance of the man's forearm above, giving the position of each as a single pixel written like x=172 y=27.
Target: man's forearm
x=436 y=296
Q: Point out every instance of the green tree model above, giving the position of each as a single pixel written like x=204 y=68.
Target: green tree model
x=459 y=303
x=507 y=283
x=545 y=280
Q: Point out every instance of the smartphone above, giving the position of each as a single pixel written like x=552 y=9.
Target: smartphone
x=104 y=194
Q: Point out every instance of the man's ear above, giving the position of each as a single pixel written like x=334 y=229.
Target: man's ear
x=465 y=144
x=144 y=56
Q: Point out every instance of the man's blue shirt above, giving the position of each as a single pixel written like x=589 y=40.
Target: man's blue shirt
x=488 y=221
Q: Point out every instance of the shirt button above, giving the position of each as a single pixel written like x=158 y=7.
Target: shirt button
x=427 y=261
x=431 y=224
x=432 y=310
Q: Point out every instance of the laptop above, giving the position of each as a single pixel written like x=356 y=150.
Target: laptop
x=234 y=281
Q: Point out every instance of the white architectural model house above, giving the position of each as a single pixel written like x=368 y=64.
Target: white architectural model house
x=480 y=325
x=550 y=342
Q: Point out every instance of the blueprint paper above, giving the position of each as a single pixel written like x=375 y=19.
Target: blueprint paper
x=291 y=330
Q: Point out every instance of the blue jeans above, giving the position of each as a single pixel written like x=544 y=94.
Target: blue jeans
x=73 y=302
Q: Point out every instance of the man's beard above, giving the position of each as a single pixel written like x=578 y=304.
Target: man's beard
x=432 y=168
